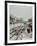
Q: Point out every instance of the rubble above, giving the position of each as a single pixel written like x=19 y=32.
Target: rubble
x=20 y=29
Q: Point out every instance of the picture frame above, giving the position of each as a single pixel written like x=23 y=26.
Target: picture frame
x=7 y=42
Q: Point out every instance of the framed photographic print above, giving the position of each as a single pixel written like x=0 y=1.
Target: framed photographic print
x=20 y=22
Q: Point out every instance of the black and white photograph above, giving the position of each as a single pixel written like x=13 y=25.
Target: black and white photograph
x=20 y=22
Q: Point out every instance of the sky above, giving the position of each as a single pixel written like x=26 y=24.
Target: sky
x=24 y=12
